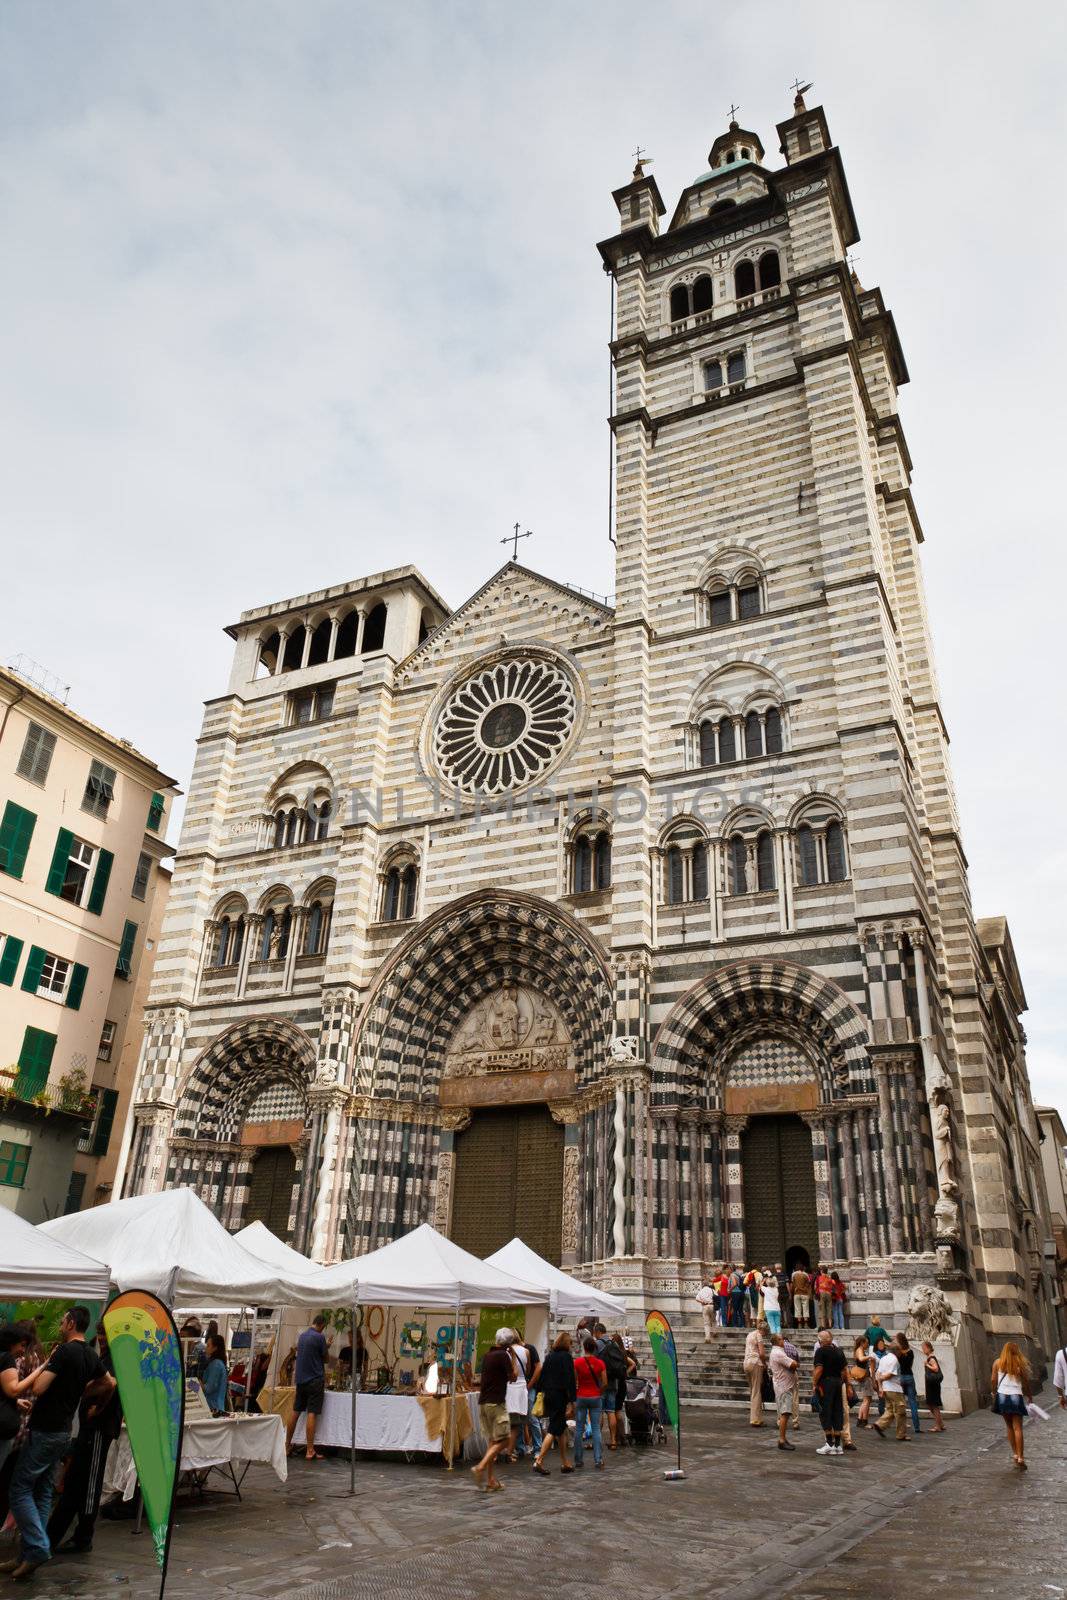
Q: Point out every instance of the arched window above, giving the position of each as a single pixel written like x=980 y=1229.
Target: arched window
x=770 y=272
x=720 y=609
x=707 y=744
x=346 y=636
x=748 y=599
x=294 y=827
x=222 y=943
x=267 y=936
x=294 y=650
x=602 y=862
x=738 y=859
x=807 y=855
x=267 y=664
x=702 y=293
x=286 y=926
x=320 y=644
x=772 y=731
x=700 y=872
x=679 y=302
x=583 y=865
x=374 y=628
x=320 y=819
x=237 y=941
x=727 y=751
x=399 y=893
x=765 y=862
x=313 y=928
x=744 y=279
x=753 y=735
x=675 y=877
x=279 y=830
x=745 y=153
x=836 y=869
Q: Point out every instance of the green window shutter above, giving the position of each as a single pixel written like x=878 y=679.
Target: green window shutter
x=76 y=986
x=9 y=961
x=99 y=885
x=16 y=831
x=34 y=963
x=35 y=1058
x=109 y=1099
x=125 y=956
x=60 y=856
x=155 y=812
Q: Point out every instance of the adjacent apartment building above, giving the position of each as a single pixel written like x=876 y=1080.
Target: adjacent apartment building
x=83 y=887
x=1054 y=1170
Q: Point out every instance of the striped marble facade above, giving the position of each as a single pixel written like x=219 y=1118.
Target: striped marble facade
x=868 y=997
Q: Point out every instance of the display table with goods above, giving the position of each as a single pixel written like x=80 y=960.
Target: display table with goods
x=406 y=1423
x=227 y=1445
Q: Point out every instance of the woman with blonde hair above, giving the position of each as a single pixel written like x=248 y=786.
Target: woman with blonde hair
x=1010 y=1383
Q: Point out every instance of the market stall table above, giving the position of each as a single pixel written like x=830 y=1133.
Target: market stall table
x=383 y=1422
x=228 y=1445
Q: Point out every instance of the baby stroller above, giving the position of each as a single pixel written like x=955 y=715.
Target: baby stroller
x=642 y=1413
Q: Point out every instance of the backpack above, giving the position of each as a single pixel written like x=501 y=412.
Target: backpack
x=613 y=1359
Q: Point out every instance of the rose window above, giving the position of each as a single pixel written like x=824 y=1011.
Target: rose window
x=504 y=726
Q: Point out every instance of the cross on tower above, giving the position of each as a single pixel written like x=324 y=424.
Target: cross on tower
x=513 y=540
x=733 y=111
x=639 y=156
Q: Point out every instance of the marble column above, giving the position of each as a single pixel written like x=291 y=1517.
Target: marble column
x=869 y=1171
x=820 y=1157
x=670 y=1138
x=918 y=1148
x=695 y=1140
x=847 y=1132
x=717 y=1242
x=640 y=1162
x=889 y=1159
x=331 y=1101
x=618 y=1193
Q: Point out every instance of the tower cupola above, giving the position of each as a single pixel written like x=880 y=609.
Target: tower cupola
x=735 y=145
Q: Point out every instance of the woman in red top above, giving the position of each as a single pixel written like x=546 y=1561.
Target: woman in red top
x=591 y=1376
x=824 y=1294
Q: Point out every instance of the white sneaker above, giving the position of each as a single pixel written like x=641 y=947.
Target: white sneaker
x=839 y=1450
x=826 y=1450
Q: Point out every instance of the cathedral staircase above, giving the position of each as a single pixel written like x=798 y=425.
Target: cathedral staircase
x=713 y=1374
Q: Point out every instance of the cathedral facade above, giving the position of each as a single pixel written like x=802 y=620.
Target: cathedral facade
x=642 y=928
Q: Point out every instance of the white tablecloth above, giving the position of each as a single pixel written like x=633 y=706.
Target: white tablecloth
x=207 y=1442
x=383 y=1422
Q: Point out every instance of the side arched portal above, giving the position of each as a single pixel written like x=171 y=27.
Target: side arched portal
x=240 y=1128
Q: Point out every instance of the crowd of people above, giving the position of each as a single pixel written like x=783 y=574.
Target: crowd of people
x=40 y=1395
x=526 y=1403
x=740 y=1297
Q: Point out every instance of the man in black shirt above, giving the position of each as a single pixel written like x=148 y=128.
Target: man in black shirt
x=99 y=1423
x=57 y=1387
x=829 y=1374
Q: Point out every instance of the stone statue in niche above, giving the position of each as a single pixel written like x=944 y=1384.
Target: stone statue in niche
x=274 y=949
x=505 y=1019
x=946 y=1211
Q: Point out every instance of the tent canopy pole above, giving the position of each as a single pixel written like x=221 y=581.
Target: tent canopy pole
x=355 y=1371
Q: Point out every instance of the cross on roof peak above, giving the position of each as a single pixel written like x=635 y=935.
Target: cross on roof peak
x=513 y=538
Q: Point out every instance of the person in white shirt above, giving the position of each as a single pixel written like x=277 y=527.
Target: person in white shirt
x=772 y=1308
x=1059 y=1376
x=708 y=1300
x=887 y=1377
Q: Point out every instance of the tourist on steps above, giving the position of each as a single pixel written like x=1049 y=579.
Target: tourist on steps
x=801 y=1286
x=708 y=1300
x=754 y=1364
x=772 y=1309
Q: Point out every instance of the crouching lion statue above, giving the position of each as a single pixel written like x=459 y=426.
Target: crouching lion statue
x=929 y=1313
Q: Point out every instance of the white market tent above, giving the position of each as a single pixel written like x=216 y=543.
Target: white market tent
x=425 y=1269
x=568 y=1297
x=33 y=1266
x=258 y=1240
x=171 y=1245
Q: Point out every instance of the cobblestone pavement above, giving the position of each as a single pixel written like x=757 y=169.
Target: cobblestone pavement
x=948 y=1516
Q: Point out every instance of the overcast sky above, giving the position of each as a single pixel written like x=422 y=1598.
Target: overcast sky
x=293 y=292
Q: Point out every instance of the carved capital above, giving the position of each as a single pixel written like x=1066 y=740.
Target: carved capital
x=734 y=1124
x=564 y=1111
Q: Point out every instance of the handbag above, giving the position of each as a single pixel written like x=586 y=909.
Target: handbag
x=767 y=1386
x=538 y=1405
